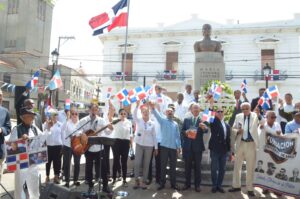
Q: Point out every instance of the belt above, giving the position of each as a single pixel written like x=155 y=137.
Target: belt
x=248 y=140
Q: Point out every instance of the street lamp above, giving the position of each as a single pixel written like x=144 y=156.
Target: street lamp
x=55 y=55
x=98 y=90
x=267 y=71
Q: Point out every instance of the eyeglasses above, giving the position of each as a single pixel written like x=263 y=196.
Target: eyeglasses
x=122 y=113
x=74 y=113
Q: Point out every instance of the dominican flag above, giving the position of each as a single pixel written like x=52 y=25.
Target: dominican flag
x=55 y=82
x=68 y=104
x=264 y=101
x=122 y=94
x=212 y=89
x=18 y=161
x=208 y=116
x=140 y=92
x=275 y=75
x=217 y=93
x=108 y=94
x=132 y=96
x=244 y=86
x=116 y=17
x=34 y=80
x=149 y=89
x=272 y=92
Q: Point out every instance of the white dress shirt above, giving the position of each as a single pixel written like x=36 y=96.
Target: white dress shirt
x=123 y=130
x=145 y=131
x=225 y=129
x=188 y=98
x=55 y=135
x=94 y=125
x=68 y=128
x=181 y=110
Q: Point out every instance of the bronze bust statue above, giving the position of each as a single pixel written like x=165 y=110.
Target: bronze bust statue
x=207 y=45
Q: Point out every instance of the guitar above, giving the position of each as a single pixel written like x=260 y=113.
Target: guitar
x=79 y=147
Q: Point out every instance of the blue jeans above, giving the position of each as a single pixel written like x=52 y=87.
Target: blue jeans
x=218 y=163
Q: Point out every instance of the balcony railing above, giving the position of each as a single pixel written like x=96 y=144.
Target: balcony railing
x=170 y=75
x=276 y=75
x=118 y=76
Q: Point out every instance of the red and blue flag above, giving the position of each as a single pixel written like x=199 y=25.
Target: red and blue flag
x=208 y=116
x=244 y=86
x=34 y=80
x=272 y=92
x=116 y=17
x=56 y=81
x=18 y=161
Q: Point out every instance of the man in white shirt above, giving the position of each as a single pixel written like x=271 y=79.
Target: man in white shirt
x=94 y=152
x=181 y=108
x=270 y=126
x=285 y=110
x=188 y=95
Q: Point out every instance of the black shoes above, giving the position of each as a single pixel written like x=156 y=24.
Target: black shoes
x=160 y=187
x=76 y=183
x=176 y=187
x=67 y=185
x=221 y=190
x=106 y=189
x=197 y=189
x=251 y=193
x=234 y=189
x=214 y=190
x=185 y=187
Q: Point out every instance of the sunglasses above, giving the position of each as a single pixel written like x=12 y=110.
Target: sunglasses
x=74 y=113
x=220 y=111
x=122 y=113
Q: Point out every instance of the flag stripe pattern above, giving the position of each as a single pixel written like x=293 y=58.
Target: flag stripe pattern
x=208 y=116
x=34 y=80
x=244 y=86
x=56 y=81
x=17 y=161
x=116 y=17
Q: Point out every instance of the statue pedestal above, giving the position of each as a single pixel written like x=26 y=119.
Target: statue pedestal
x=208 y=66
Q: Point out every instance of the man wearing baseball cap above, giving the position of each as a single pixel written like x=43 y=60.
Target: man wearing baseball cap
x=28 y=177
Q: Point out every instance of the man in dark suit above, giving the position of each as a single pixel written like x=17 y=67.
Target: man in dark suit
x=254 y=102
x=219 y=145
x=238 y=102
x=193 y=146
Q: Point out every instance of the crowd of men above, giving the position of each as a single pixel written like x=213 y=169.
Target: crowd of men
x=161 y=130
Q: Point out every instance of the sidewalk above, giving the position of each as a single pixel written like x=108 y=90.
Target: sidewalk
x=151 y=192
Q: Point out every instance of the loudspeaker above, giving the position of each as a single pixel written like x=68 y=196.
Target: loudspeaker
x=19 y=99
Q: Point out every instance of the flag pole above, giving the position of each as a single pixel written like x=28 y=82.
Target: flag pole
x=125 y=49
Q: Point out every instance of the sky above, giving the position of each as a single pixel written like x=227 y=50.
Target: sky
x=70 y=18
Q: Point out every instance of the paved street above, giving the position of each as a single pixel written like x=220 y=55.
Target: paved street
x=8 y=183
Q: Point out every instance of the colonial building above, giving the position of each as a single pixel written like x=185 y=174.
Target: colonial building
x=166 y=53
x=24 y=41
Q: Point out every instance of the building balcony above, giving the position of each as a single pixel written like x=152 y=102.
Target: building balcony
x=276 y=75
x=118 y=76
x=170 y=75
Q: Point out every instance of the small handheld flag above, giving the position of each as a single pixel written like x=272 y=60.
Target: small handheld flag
x=208 y=116
x=56 y=81
x=34 y=80
x=244 y=86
